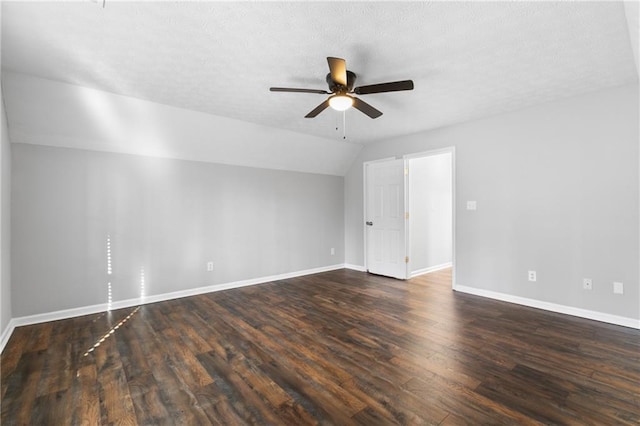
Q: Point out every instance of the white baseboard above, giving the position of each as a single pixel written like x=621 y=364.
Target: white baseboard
x=102 y=307
x=355 y=267
x=430 y=269
x=553 y=307
x=6 y=333
x=93 y=309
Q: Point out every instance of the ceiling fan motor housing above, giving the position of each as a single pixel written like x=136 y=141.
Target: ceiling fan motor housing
x=338 y=88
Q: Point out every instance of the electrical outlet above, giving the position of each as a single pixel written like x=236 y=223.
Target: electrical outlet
x=532 y=275
x=587 y=284
x=209 y=266
x=618 y=288
x=333 y=251
x=472 y=205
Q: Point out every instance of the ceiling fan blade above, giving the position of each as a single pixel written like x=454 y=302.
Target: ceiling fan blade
x=317 y=110
x=366 y=108
x=394 y=86
x=338 y=69
x=288 y=89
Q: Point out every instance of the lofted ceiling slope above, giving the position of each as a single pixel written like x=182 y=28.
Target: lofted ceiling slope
x=468 y=60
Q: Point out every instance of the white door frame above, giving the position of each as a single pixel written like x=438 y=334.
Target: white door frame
x=447 y=150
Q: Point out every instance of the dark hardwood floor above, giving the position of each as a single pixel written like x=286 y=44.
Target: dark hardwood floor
x=340 y=347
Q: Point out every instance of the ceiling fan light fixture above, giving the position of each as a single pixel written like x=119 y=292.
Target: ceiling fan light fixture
x=340 y=102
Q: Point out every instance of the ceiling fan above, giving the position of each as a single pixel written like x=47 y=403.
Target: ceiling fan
x=341 y=81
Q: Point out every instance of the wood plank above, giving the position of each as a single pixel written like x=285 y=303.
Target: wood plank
x=12 y=353
x=87 y=410
x=22 y=388
x=115 y=399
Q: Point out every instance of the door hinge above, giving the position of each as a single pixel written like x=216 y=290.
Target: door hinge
x=406 y=259
x=406 y=215
x=406 y=171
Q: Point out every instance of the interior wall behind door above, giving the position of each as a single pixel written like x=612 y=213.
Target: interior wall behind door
x=430 y=212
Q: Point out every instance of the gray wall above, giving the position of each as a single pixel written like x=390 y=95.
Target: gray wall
x=557 y=192
x=166 y=219
x=430 y=211
x=5 y=223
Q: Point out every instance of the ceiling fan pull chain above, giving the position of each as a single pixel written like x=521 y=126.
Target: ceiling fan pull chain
x=344 y=125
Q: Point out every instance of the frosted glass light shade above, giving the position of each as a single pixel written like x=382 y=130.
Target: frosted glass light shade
x=341 y=102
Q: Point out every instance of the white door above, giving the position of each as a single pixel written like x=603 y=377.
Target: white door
x=385 y=218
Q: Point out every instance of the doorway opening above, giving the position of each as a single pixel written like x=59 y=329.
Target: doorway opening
x=409 y=227
x=430 y=206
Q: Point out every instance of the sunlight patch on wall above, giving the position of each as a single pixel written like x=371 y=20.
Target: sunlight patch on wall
x=109 y=296
x=104 y=114
x=109 y=271
x=142 y=283
x=127 y=124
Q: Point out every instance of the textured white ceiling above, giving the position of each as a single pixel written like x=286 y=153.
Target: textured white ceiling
x=467 y=59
